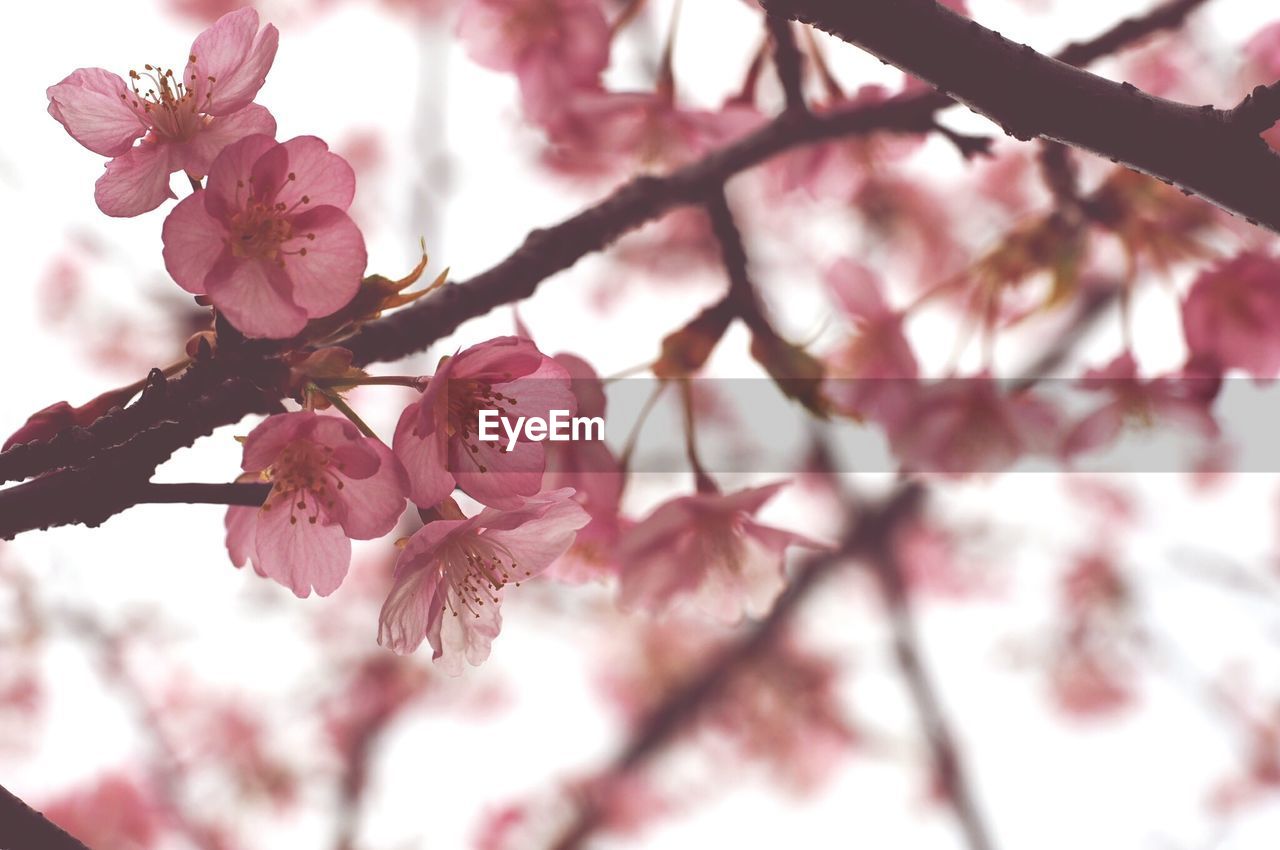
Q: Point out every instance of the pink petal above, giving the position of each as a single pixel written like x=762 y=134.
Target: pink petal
x=467 y=635
x=239 y=62
x=254 y=296
x=240 y=522
x=538 y=542
x=137 y=181
x=507 y=475
x=269 y=174
x=857 y=289
x=193 y=242
x=424 y=457
x=547 y=388
x=326 y=278
x=268 y=439
x=89 y=104
x=325 y=178
x=374 y=503
x=199 y=153
x=408 y=611
x=300 y=554
x=499 y=359
x=228 y=184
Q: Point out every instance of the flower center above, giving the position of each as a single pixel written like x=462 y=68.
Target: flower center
x=466 y=399
x=171 y=106
x=261 y=229
x=303 y=469
x=476 y=569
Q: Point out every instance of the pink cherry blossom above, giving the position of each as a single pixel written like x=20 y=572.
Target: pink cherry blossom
x=871 y=374
x=552 y=46
x=599 y=131
x=437 y=437
x=962 y=426
x=183 y=122
x=269 y=240
x=449 y=578
x=1175 y=399
x=707 y=548
x=329 y=485
x=1231 y=316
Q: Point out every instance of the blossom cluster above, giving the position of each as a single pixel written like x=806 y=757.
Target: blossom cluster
x=265 y=239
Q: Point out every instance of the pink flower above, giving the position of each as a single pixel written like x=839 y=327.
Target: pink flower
x=707 y=548
x=552 y=46
x=1231 y=316
x=184 y=122
x=1180 y=399
x=450 y=576
x=437 y=437
x=873 y=373
x=962 y=426
x=269 y=240
x=601 y=131
x=329 y=485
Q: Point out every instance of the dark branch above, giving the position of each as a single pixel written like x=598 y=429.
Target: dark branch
x=788 y=61
x=909 y=656
x=23 y=828
x=1214 y=153
x=249 y=495
x=79 y=461
x=868 y=533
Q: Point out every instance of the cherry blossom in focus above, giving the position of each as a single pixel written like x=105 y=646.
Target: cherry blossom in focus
x=269 y=241
x=329 y=485
x=450 y=576
x=184 y=123
x=437 y=436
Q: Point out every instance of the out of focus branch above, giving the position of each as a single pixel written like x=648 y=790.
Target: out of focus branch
x=23 y=828
x=951 y=775
x=788 y=61
x=88 y=474
x=868 y=535
x=1217 y=154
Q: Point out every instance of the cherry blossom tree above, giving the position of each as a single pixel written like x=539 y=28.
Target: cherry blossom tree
x=893 y=321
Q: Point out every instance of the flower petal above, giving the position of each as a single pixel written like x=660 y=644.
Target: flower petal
x=424 y=457
x=325 y=178
x=374 y=503
x=237 y=61
x=327 y=276
x=137 y=181
x=199 y=153
x=94 y=106
x=495 y=477
x=193 y=242
x=254 y=296
x=298 y=553
x=228 y=183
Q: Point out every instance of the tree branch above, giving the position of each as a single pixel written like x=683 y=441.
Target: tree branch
x=23 y=828
x=788 y=61
x=867 y=535
x=81 y=469
x=1214 y=153
x=924 y=694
